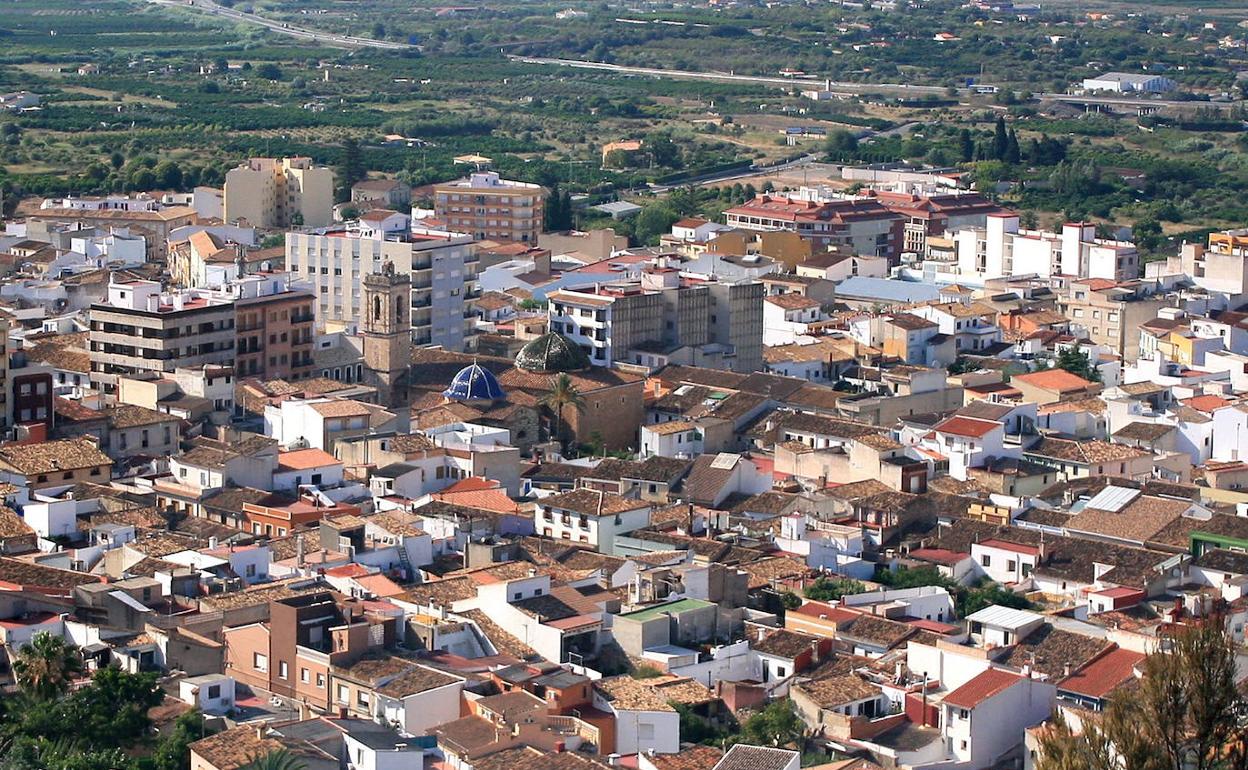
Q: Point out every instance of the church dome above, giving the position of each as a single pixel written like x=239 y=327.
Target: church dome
x=552 y=352
x=474 y=383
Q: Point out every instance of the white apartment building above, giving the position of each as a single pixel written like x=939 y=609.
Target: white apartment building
x=443 y=267
x=141 y=202
x=1003 y=249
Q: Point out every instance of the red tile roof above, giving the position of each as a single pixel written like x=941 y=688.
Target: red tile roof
x=1206 y=403
x=992 y=682
x=967 y=426
x=1058 y=380
x=938 y=555
x=1099 y=677
x=1005 y=545
x=303 y=459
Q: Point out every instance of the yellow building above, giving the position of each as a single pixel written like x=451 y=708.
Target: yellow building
x=273 y=193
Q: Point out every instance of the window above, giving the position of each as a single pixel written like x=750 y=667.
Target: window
x=985 y=560
x=260 y=661
x=780 y=672
x=282 y=669
x=214 y=691
x=361 y=699
x=1009 y=565
x=304 y=676
x=320 y=680
x=251 y=572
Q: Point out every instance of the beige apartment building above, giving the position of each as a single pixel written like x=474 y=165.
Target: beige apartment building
x=660 y=320
x=274 y=193
x=1112 y=312
x=491 y=208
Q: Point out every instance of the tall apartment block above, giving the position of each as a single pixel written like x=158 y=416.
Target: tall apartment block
x=276 y=193
x=664 y=319
x=141 y=328
x=490 y=208
x=442 y=266
x=274 y=328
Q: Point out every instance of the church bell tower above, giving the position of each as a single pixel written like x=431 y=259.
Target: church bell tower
x=387 y=330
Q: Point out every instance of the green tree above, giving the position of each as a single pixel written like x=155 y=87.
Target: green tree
x=962 y=365
x=832 y=589
x=966 y=146
x=652 y=221
x=172 y=752
x=1077 y=361
x=111 y=711
x=143 y=179
x=841 y=145
x=46 y=665
x=1012 y=153
x=1147 y=234
x=350 y=168
x=776 y=725
x=269 y=71
x=986 y=595
x=379 y=31
x=1186 y=713
x=563 y=393
x=117 y=160
x=663 y=151
x=276 y=760
x=1000 y=140
x=168 y=175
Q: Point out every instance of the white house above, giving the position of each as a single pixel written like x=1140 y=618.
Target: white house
x=968 y=442
x=210 y=693
x=998 y=626
x=1005 y=562
x=986 y=717
x=300 y=467
x=788 y=317
x=589 y=516
x=644 y=721
x=677 y=438
x=420 y=699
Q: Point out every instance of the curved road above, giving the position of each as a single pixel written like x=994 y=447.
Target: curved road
x=326 y=38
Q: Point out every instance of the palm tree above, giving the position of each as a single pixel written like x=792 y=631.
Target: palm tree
x=46 y=665
x=562 y=394
x=280 y=759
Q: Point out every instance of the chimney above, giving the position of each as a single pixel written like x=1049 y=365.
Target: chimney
x=260 y=731
x=342 y=712
x=212 y=542
x=560 y=747
x=762 y=633
x=1065 y=670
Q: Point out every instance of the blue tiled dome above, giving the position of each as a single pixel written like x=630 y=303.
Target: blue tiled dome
x=474 y=383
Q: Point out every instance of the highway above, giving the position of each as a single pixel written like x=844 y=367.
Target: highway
x=727 y=176
x=726 y=77
x=857 y=88
x=302 y=33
